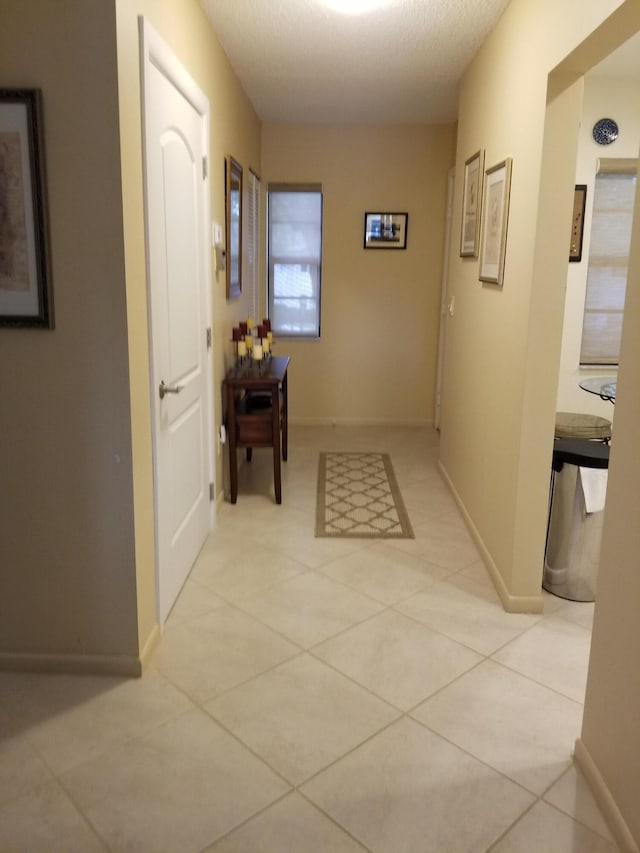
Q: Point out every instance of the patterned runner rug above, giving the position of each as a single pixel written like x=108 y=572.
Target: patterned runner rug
x=358 y=496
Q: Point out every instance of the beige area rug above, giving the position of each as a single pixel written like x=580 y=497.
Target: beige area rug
x=358 y=496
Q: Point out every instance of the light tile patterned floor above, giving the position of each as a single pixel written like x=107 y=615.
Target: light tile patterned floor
x=317 y=696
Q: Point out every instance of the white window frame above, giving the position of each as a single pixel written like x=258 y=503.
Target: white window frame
x=314 y=262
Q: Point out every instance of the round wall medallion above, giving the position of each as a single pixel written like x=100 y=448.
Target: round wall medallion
x=605 y=131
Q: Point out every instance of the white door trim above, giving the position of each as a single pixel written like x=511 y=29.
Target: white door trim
x=154 y=51
x=443 y=298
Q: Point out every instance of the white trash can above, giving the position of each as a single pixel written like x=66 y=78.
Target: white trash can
x=578 y=489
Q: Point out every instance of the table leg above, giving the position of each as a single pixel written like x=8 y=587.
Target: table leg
x=275 y=427
x=231 y=430
x=285 y=417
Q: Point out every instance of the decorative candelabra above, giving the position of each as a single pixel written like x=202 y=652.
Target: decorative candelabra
x=252 y=343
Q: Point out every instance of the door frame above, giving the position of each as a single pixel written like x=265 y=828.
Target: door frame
x=444 y=284
x=155 y=51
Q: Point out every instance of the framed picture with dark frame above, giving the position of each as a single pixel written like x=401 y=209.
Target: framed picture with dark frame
x=25 y=273
x=472 y=205
x=577 y=222
x=493 y=245
x=233 y=226
x=385 y=230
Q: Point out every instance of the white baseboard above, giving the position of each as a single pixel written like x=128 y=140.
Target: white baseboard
x=126 y=666
x=359 y=422
x=603 y=797
x=511 y=603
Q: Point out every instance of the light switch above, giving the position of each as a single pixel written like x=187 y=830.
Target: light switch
x=216 y=234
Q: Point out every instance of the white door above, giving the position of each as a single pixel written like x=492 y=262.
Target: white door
x=176 y=133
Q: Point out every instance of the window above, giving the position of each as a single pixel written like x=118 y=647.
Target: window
x=294 y=259
x=613 y=201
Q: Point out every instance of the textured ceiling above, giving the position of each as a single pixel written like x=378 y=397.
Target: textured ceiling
x=299 y=61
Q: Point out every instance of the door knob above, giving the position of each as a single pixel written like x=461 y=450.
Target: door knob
x=167 y=389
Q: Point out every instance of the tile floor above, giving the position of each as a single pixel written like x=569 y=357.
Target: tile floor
x=314 y=695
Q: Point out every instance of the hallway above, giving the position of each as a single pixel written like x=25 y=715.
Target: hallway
x=315 y=695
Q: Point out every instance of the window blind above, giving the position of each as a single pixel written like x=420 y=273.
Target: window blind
x=611 y=225
x=295 y=258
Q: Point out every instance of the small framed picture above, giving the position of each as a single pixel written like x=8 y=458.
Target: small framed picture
x=385 y=230
x=25 y=277
x=472 y=205
x=577 y=222
x=493 y=246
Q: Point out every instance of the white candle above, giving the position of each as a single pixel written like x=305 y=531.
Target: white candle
x=242 y=349
x=270 y=337
x=257 y=352
x=265 y=345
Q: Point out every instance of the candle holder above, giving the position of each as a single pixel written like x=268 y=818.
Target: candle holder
x=248 y=342
x=249 y=339
x=239 y=346
x=257 y=357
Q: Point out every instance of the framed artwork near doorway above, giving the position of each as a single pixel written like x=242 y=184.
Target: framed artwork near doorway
x=472 y=205
x=25 y=274
x=493 y=245
x=577 y=223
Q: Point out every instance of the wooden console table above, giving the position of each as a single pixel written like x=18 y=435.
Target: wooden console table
x=256 y=414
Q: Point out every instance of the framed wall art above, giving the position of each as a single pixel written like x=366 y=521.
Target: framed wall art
x=472 y=205
x=385 y=230
x=577 y=222
x=233 y=226
x=493 y=245
x=25 y=276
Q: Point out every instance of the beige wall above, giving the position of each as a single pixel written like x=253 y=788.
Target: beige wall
x=76 y=496
x=496 y=354
x=235 y=130
x=611 y=734
x=376 y=360
x=503 y=353
x=602 y=97
x=67 y=570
